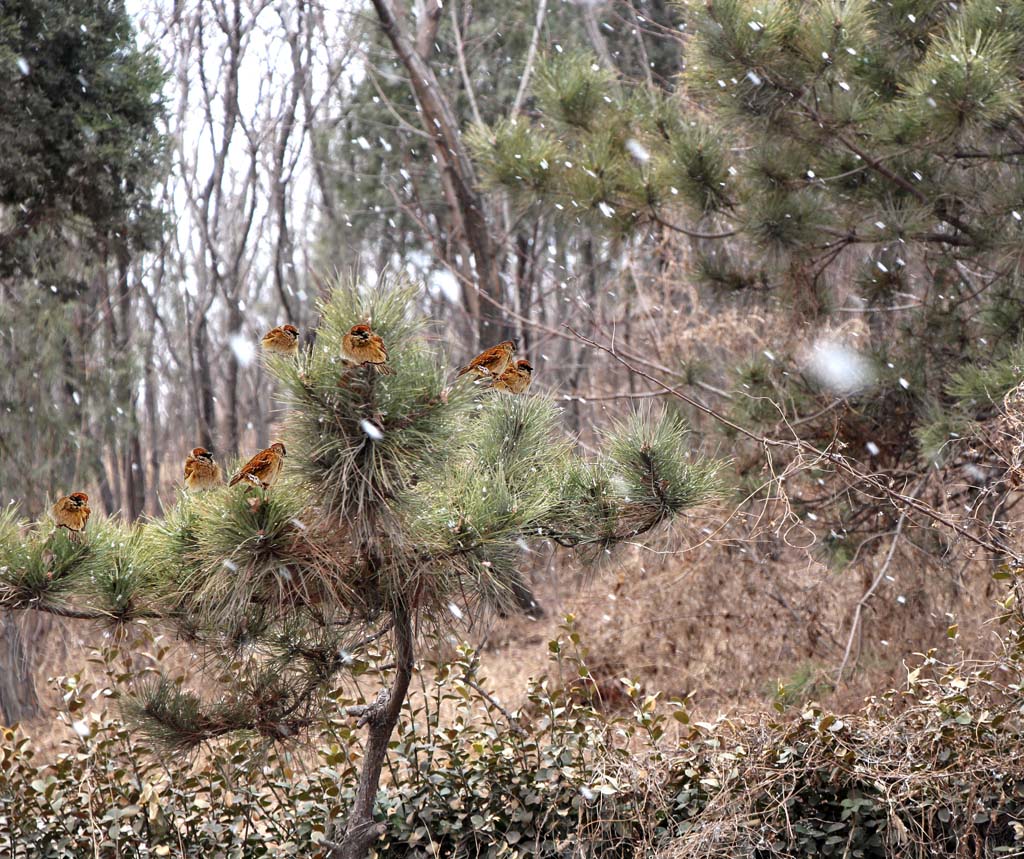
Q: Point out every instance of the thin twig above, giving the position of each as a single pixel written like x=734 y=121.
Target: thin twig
x=693 y=234
x=862 y=480
x=463 y=69
x=859 y=609
x=512 y=721
x=531 y=55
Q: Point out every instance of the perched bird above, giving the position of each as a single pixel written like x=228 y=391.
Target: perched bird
x=492 y=362
x=361 y=346
x=72 y=512
x=263 y=468
x=516 y=379
x=284 y=340
x=201 y=472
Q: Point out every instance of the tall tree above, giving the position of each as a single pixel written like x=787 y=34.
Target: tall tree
x=403 y=185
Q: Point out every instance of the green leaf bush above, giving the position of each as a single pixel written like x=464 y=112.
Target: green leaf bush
x=929 y=770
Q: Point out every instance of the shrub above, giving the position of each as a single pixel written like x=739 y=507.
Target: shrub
x=932 y=769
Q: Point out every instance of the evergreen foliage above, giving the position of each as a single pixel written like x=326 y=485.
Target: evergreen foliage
x=820 y=156
x=403 y=501
x=80 y=106
x=78 y=113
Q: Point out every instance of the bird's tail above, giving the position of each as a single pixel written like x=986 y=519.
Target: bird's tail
x=235 y=479
x=384 y=369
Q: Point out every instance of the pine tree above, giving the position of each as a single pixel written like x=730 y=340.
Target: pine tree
x=387 y=189
x=818 y=154
x=403 y=506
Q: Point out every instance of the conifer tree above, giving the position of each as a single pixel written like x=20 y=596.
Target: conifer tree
x=817 y=154
x=404 y=502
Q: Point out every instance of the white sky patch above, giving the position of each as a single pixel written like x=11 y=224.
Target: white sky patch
x=455 y=610
x=371 y=429
x=243 y=348
x=839 y=368
x=23 y=66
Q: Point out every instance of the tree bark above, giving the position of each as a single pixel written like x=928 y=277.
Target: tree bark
x=360 y=830
x=18 y=699
x=204 y=380
x=233 y=422
x=121 y=325
x=441 y=123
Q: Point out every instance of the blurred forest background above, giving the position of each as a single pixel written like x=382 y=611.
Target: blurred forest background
x=800 y=223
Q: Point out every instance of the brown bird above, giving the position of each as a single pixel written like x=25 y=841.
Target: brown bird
x=284 y=340
x=263 y=468
x=492 y=362
x=361 y=347
x=72 y=512
x=516 y=379
x=201 y=472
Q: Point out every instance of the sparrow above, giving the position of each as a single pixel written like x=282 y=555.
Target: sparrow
x=263 y=468
x=72 y=512
x=516 y=379
x=492 y=362
x=284 y=340
x=361 y=347
x=201 y=472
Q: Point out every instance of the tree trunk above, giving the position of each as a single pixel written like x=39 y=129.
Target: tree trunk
x=204 y=378
x=233 y=380
x=18 y=699
x=440 y=122
x=132 y=464
x=381 y=717
x=153 y=426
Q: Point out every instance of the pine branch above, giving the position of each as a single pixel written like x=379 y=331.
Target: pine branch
x=862 y=480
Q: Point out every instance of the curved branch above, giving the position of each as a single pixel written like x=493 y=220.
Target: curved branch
x=693 y=234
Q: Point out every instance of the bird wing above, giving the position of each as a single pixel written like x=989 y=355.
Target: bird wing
x=255 y=466
x=483 y=358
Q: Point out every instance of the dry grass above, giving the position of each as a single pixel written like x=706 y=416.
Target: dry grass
x=731 y=621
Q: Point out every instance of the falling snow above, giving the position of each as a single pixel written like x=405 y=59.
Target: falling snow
x=638 y=150
x=839 y=368
x=245 y=351
x=371 y=429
